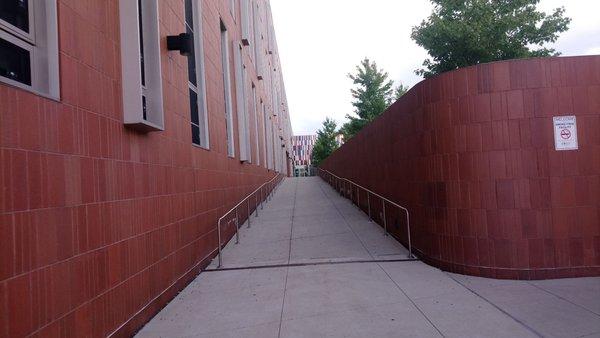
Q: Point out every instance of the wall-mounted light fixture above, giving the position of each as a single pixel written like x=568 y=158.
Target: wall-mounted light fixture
x=182 y=42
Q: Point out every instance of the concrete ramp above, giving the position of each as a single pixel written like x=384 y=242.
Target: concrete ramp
x=306 y=223
x=312 y=265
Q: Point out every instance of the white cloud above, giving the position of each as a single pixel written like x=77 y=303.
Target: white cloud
x=593 y=51
x=321 y=41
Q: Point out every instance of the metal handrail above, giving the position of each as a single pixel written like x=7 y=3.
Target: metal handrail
x=384 y=199
x=247 y=198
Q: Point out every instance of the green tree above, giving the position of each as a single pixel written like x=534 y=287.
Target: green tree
x=325 y=143
x=372 y=96
x=461 y=33
x=399 y=91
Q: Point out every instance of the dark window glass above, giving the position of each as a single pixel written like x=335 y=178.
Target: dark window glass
x=192 y=63
x=144 y=108
x=189 y=14
x=194 y=106
x=16 y=13
x=141 y=28
x=189 y=28
x=15 y=62
x=195 y=134
x=192 y=76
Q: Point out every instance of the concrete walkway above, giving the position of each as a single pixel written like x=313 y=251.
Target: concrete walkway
x=312 y=265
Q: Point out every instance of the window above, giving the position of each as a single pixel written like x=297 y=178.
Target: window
x=141 y=67
x=242 y=112
x=264 y=132
x=258 y=52
x=255 y=113
x=227 y=90
x=232 y=8
x=269 y=137
x=29 y=46
x=196 y=80
x=245 y=20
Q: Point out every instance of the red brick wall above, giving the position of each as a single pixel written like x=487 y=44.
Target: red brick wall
x=96 y=220
x=471 y=154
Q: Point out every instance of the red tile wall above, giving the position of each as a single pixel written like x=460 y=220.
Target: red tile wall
x=471 y=154
x=97 y=221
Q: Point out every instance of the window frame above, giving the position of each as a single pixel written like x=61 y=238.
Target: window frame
x=134 y=93
x=245 y=20
x=258 y=43
x=256 y=130
x=18 y=32
x=265 y=137
x=28 y=47
x=226 y=72
x=42 y=47
x=232 y=9
x=241 y=103
x=200 y=87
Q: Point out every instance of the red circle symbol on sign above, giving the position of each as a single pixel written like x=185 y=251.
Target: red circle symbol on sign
x=565 y=134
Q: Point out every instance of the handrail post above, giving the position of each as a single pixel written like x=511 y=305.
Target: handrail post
x=384 y=218
x=369 y=205
x=248 y=201
x=263 y=198
x=237 y=228
x=410 y=255
x=219 y=238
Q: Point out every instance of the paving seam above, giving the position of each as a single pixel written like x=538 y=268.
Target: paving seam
x=344 y=218
x=562 y=298
x=287 y=272
x=531 y=329
x=378 y=264
x=410 y=299
x=293 y=265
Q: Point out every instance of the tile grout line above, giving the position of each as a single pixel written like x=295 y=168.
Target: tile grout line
x=531 y=329
x=287 y=271
x=562 y=298
x=410 y=299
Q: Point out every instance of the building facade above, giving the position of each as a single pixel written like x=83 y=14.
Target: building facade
x=302 y=146
x=127 y=129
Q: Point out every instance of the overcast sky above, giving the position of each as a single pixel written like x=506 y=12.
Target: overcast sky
x=321 y=41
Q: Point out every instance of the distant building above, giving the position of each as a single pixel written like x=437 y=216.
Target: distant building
x=302 y=147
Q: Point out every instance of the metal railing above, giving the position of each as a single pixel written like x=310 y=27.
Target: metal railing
x=340 y=184
x=265 y=191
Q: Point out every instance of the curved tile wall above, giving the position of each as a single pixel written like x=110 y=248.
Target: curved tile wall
x=471 y=154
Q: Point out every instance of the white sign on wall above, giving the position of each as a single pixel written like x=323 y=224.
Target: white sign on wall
x=565 y=133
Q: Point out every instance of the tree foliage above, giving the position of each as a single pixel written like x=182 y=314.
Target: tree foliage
x=372 y=96
x=461 y=33
x=326 y=142
x=399 y=91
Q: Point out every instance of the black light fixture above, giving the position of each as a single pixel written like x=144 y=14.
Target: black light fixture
x=182 y=42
